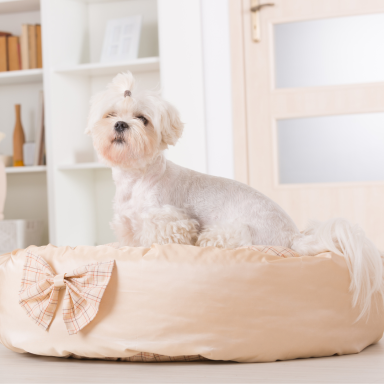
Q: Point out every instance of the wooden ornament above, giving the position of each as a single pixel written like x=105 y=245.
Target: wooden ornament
x=18 y=139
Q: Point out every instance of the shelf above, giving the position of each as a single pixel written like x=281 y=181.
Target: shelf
x=16 y=6
x=81 y=166
x=21 y=77
x=37 y=168
x=96 y=1
x=146 y=64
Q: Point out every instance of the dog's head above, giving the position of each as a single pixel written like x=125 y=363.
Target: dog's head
x=130 y=128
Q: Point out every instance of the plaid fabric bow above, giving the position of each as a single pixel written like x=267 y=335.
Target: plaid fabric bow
x=274 y=250
x=85 y=287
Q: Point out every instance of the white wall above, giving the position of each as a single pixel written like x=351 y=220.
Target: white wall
x=180 y=46
x=217 y=86
x=195 y=77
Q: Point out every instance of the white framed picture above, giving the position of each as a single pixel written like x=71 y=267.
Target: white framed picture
x=121 y=40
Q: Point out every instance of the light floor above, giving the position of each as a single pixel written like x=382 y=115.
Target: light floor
x=366 y=367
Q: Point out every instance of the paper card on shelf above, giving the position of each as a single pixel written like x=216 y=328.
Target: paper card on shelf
x=121 y=40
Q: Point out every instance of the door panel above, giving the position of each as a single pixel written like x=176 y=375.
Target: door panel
x=341 y=50
x=326 y=149
x=358 y=196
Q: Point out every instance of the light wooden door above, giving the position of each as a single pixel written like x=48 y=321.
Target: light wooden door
x=309 y=108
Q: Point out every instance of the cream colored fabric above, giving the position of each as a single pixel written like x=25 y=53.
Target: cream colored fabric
x=175 y=300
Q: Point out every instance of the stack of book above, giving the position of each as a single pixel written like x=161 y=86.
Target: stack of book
x=21 y=52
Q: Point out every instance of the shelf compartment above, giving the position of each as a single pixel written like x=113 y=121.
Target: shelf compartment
x=26 y=169
x=146 y=64
x=17 y=6
x=21 y=77
x=81 y=166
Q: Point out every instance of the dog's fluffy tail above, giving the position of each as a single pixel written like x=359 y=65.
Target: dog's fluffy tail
x=364 y=260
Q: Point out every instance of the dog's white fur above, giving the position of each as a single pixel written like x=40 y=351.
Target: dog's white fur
x=160 y=202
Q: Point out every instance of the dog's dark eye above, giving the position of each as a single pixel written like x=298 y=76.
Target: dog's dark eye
x=143 y=119
x=112 y=114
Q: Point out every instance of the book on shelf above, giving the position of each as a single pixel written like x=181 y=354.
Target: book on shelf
x=24 y=46
x=39 y=51
x=14 y=62
x=3 y=54
x=32 y=46
x=24 y=52
x=31 y=52
x=3 y=51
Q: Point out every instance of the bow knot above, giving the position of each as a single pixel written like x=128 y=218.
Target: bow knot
x=84 y=286
x=58 y=281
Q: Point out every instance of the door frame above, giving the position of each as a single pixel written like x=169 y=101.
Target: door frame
x=239 y=109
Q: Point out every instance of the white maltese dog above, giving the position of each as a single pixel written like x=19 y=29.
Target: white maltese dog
x=160 y=202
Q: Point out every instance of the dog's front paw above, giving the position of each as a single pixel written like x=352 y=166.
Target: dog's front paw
x=168 y=225
x=225 y=236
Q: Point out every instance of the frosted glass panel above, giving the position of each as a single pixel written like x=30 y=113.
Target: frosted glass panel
x=342 y=50
x=345 y=148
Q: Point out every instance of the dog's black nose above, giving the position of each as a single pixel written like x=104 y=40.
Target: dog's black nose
x=120 y=126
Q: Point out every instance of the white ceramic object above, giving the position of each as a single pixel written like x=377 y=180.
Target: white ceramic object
x=6 y=160
x=29 y=150
x=16 y=234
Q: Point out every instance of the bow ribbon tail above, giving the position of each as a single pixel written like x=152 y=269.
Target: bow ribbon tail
x=85 y=288
x=37 y=296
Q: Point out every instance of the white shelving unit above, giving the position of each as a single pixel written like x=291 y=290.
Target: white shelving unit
x=76 y=206
x=73 y=193
x=80 y=189
x=21 y=77
x=38 y=168
x=77 y=167
x=147 y=64
x=26 y=186
x=15 y=6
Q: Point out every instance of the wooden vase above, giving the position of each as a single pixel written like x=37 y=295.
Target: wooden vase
x=18 y=139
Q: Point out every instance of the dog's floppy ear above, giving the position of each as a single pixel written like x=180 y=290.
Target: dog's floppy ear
x=172 y=127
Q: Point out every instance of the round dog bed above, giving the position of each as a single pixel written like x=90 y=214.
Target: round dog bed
x=179 y=302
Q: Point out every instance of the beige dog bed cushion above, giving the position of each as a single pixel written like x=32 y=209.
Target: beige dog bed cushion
x=179 y=302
